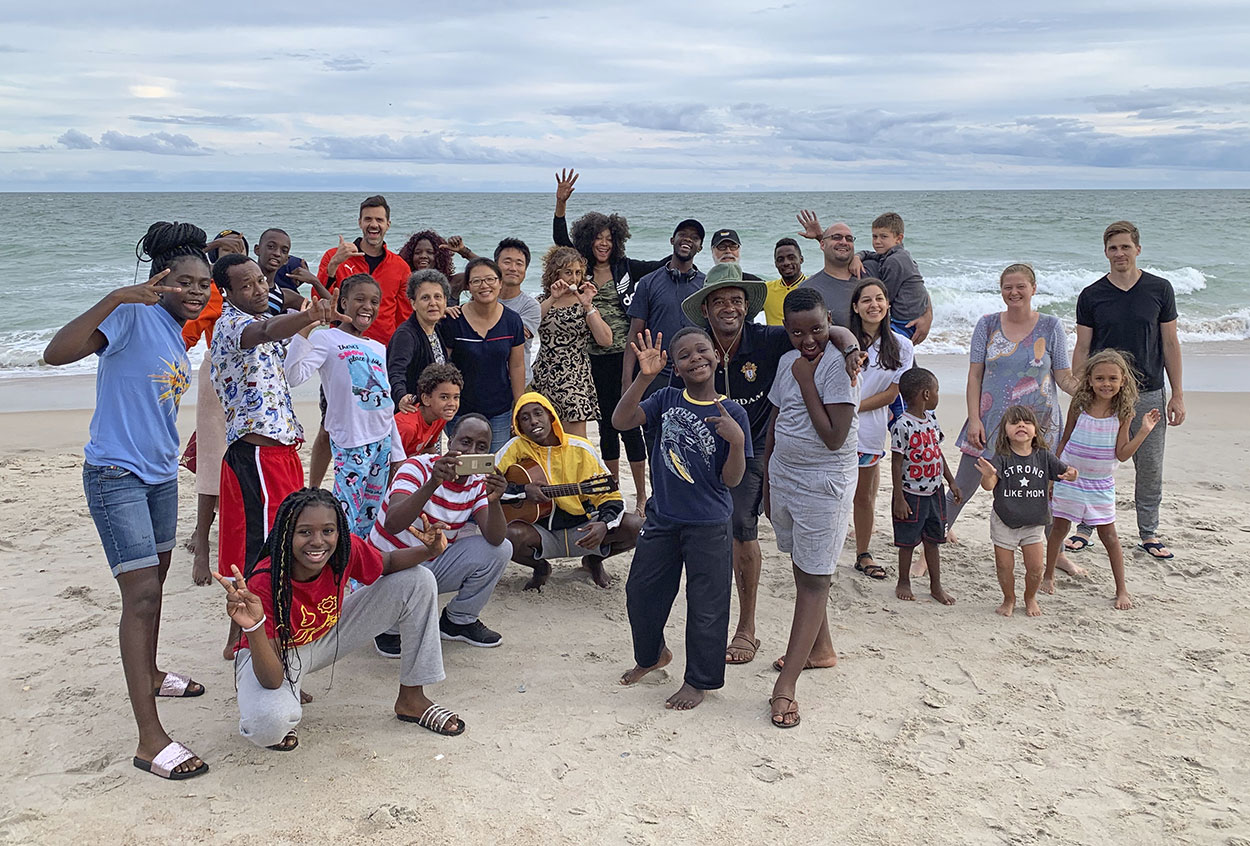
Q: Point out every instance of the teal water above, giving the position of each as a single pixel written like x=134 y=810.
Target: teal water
x=59 y=253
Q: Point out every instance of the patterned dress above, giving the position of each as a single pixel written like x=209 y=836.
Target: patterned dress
x=1091 y=450
x=562 y=369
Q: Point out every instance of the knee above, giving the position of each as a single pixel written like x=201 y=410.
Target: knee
x=418 y=584
x=270 y=726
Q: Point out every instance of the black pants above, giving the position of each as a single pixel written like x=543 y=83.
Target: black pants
x=606 y=371
x=706 y=552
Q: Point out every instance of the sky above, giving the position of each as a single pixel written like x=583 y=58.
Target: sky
x=643 y=96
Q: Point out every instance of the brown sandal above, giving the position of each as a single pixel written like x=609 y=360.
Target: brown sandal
x=737 y=642
x=779 y=719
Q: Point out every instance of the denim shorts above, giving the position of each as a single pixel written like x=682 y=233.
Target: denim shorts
x=136 y=521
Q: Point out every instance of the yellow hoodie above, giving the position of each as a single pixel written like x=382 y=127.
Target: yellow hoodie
x=573 y=460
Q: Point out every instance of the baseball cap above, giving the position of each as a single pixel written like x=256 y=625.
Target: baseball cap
x=691 y=223
x=725 y=235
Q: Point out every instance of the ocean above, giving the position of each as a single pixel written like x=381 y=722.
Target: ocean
x=59 y=253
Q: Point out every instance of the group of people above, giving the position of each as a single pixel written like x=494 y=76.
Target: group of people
x=455 y=448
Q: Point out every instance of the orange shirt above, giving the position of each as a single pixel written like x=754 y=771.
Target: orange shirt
x=392 y=277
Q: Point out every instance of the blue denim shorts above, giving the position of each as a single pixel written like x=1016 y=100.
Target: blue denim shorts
x=136 y=521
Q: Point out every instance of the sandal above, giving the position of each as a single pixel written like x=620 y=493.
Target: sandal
x=178 y=686
x=435 y=719
x=779 y=719
x=872 y=569
x=1153 y=549
x=752 y=645
x=289 y=743
x=1076 y=543
x=168 y=759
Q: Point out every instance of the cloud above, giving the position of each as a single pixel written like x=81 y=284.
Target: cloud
x=346 y=63
x=228 y=121
x=1210 y=101
x=426 y=148
x=679 y=117
x=74 y=140
x=159 y=143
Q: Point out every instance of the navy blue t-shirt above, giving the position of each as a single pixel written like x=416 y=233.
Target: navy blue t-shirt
x=484 y=361
x=688 y=456
x=283 y=277
x=657 y=303
x=751 y=373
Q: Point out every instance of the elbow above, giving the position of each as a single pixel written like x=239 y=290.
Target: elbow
x=54 y=356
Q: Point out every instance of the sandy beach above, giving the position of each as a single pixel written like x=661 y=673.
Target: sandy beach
x=939 y=725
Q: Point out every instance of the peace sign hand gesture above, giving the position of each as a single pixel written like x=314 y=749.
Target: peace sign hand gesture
x=651 y=359
x=146 y=293
x=243 y=606
x=431 y=534
x=726 y=426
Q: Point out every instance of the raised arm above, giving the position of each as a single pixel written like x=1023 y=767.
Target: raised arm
x=288 y=325
x=651 y=359
x=1126 y=447
x=82 y=336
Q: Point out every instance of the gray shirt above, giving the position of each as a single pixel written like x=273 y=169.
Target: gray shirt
x=1020 y=495
x=904 y=285
x=795 y=441
x=837 y=295
x=531 y=314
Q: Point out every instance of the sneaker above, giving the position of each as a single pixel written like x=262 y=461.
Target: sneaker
x=474 y=634
x=387 y=645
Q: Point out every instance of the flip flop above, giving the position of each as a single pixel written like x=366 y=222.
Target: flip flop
x=779 y=665
x=872 y=570
x=752 y=646
x=778 y=719
x=168 y=759
x=435 y=719
x=1153 y=548
x=283 y=747
x=178 y=686
x=1077 y=541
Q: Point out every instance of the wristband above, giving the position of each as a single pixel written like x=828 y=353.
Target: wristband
x=850 y=350
x=259 y=623
x=592 y=310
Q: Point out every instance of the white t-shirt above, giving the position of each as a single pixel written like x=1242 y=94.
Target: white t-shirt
x=359 y=409
x=874 y=380
x=795 y=441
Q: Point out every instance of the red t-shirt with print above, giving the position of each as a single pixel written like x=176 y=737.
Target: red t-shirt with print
x=315 y=605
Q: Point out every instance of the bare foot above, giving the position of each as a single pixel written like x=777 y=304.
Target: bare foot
x=634 y=675
x=1032 y=608
x=1064 y=564
x=813 y=662
x=1007 y=608
x=1048 y=586
x=541 y=572
x=640 y=507
x=951 y=537
x=903 y=591
x=941 y=596
x=200 y=573
x=305 y=697
x=684 y=699
x=919 y=566
x=594 y=566
x=1123 y=602
x=189 y=544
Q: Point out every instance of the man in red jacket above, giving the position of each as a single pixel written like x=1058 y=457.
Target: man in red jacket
x=366 y=254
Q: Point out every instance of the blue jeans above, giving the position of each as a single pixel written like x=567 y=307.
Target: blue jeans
x=136 y=521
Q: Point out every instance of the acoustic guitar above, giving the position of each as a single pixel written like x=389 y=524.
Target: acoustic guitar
x=529 y=472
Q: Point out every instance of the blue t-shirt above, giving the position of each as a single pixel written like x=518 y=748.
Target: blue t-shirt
x=484 y=361
x=688 y=456
x=142 y=375
x=657 y=303
x=283 y=277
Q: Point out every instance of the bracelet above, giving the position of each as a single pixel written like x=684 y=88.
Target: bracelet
x=850 y=350
x=592 y=310
x=259 y=623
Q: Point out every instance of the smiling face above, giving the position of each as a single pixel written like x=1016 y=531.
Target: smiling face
x=686 y=243
x=374 y=221
x=273 y=251
x=1106 y=379
x=872 y=306
x=1017 y=290
x=314 y=540
x=726 y=311
x=483 y=285
x=572 y=274
x=249 y=290
x=444 y=401
x=726 y=251
x=602 y=246
x=429 y=305
x=472 y=437
x=1021 y=433
x=191 y=275
x=789 y=262
x=694 y=359
x=1122 y=253
x=535 y=423
x=838 y=244
x=808 y=330
x=423 y=253
x=361 y=304
x=512 y=265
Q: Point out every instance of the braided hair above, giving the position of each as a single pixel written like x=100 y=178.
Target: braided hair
x=166 y=244
x=442 y=258
x=278 y=548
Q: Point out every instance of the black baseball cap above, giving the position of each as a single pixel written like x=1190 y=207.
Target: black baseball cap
x=691 y=223
x=726 y=235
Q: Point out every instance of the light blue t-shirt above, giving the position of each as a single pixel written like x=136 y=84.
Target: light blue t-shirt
x=143 y=373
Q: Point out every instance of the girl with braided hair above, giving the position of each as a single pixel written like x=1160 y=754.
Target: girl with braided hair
x=296 y=619
x=130 y=475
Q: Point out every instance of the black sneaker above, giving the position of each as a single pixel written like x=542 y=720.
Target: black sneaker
x=474 y=634
x=387 y=645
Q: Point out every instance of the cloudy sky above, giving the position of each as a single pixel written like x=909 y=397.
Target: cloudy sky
x=733 y=95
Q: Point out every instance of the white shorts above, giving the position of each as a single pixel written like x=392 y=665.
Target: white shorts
x=811 y=514
x=1006 y=537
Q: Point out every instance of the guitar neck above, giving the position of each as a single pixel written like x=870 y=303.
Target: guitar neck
x=561 y=490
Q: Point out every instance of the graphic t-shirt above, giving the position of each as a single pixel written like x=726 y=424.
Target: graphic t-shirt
x=454 y=503
x=873 y=380
x=359 y=409
x=795 y=441
x=688 y=456
x=315 y=605
x=920 y=443
x=142 y=375
x=251 y=383
x=1020 y=495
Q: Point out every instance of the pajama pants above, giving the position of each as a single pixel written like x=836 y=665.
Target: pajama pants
x=360 y=477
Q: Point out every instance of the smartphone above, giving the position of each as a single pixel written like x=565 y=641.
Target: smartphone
x=472 y=464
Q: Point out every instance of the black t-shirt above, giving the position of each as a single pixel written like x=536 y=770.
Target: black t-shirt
x=751 y=374
x=1020 y=495
x=1129 y=321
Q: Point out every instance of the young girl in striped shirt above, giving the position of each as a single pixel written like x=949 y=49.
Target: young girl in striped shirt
x=1095 y=438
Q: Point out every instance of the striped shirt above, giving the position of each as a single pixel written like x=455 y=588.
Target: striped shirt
x=454 y=503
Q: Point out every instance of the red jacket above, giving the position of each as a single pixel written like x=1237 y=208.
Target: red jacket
x=392 y=277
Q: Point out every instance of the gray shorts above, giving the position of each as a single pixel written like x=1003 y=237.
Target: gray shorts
x=811 y=513
x=1006 y=537
x=562 y=543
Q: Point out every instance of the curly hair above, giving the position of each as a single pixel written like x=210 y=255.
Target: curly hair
x=556 y=259
x=436 y=374
x=1018 y=414
x=1126 y=401
x=442 y=258
x=587 y=227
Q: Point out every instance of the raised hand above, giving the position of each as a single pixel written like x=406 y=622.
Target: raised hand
x=987 y=469
x=726 y=426
x=651 y=359
x=445 y=469
x=586 y=293
x=455 y=244
x=558 y=289
x=565 y=180
x=232 y=243
x=495 y=487
x=146 y=293
x=811 y=225
x=346 y=250
x=431 y=534
x=1151 y=419
x=243 y=606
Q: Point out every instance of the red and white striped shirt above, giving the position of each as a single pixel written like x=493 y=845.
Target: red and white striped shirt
x=453 y=503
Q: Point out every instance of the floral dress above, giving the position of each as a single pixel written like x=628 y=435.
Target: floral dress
x=562 y=369
x=1018 y=374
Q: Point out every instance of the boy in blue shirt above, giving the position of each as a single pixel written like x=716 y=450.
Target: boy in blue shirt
x=699 y=452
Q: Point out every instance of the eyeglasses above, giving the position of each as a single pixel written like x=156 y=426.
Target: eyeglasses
x=482 y=280
x=838 y=236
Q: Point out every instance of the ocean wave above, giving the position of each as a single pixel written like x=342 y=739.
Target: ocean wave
x=1060 y=285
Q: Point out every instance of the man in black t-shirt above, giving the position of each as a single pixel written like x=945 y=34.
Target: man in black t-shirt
x=1135 y=312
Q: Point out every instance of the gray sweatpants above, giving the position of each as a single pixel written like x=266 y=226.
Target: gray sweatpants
x=471 y=567
x=407 y=601
x=1148 y=464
